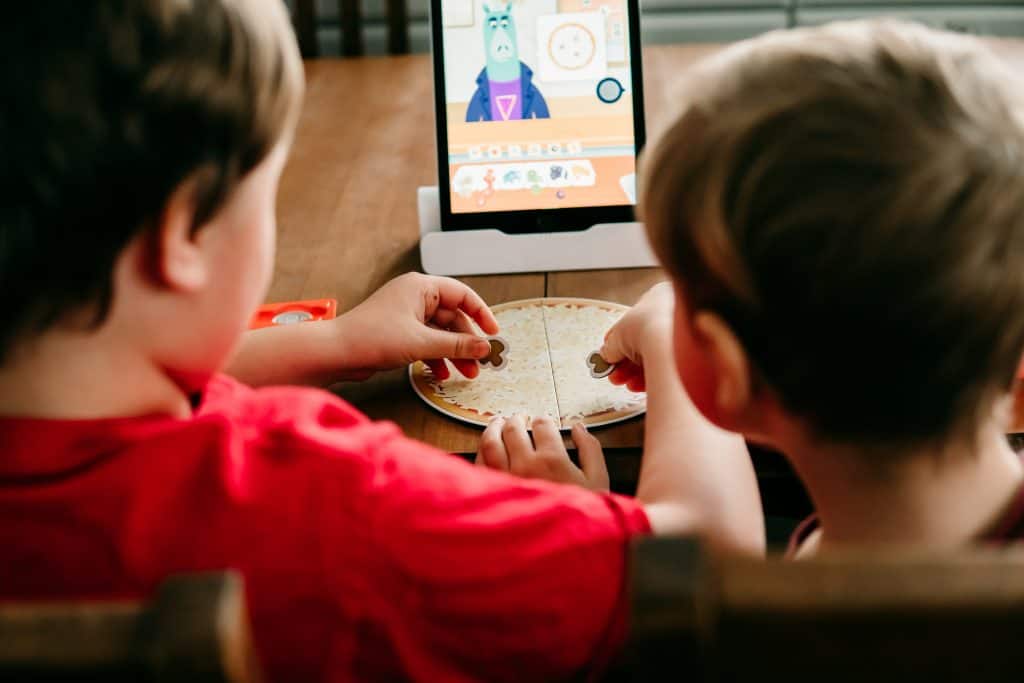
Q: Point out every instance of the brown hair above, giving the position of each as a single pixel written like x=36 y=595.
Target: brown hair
x=850 y=199
x=111 y=104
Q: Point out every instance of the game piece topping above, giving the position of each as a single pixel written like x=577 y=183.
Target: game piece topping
x=498 y=357
x=599 y=367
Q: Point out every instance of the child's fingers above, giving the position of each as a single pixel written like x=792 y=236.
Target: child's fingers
x=444 y=318
x=517 y=441
x=461 y=324
x=611 y=350
x=455 y=295
x=624 y=372
x=546 y=436
x=620 y=375
x=461 y=332
x=439 y=369
x=469 y=369
x=452 y=345
x=456 y=321
x=636 y=383
x=447 y=322
x=591 y=456
x=632 y=367
x=491 y=452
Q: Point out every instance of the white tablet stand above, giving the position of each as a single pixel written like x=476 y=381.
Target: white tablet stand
x=487 y=250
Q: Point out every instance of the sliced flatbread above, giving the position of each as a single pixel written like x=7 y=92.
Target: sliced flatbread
x=547 y=374
x=574 y=330
x=523 y=387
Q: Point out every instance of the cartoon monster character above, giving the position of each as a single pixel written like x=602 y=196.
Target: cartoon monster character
x=504 y=88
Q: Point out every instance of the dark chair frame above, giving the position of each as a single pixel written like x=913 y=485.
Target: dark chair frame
x=196 y=630
x=893 y=616
x=350 y=13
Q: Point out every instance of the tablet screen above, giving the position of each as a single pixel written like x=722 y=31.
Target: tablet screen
x=538 y=99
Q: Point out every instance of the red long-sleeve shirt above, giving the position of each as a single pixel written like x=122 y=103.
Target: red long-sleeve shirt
x=366 y=555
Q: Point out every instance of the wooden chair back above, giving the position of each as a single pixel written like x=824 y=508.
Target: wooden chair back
x=893 y=617
x=196 y=630
x=350 y=13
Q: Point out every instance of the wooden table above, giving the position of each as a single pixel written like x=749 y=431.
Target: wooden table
x=347 y=213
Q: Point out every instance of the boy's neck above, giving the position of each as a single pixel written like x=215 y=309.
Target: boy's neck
x=66 y=374
x=936 y=497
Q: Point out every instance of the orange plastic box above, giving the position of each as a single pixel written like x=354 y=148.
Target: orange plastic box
x=291 y=312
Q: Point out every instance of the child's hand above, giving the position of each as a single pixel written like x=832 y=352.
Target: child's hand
x=506 y=445
x=648 y=323
x=416 y=317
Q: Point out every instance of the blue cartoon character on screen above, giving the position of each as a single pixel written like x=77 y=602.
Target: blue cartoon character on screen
x=504 y=88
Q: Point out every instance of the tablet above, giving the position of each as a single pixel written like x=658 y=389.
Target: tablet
x=539 y=112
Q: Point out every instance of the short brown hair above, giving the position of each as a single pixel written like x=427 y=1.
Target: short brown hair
x=850 y=199
x=111 y=104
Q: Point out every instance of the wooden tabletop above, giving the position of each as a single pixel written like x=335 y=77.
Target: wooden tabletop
x=347 y=211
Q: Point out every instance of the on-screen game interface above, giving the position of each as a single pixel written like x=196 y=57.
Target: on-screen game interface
x=539 y=104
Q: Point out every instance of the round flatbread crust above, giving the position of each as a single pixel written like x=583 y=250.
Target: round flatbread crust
x=420 y=377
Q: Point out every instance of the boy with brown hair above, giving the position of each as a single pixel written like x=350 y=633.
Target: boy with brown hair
x=842 y=214
x=142 y=144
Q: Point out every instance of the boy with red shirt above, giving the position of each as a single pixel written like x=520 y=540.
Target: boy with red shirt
x=842 y=213
x=143 y=140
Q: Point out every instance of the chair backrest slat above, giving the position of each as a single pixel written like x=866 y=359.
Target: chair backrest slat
x=305 y=28
x=892 y=616
x=351 y=23
x=81 y=638
x=196 y=630
x=350 y=15
x=398 y=27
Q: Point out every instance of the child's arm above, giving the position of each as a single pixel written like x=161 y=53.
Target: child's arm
x=694 y=476
x=413 y=317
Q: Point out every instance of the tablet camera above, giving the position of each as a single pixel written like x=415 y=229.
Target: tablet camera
x=609 y=90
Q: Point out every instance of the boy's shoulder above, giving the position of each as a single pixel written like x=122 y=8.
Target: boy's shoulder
x=293 y=433
x=290 y=414
x=310 y=433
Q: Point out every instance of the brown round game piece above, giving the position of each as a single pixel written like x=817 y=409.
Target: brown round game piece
x=599 y=367
x=497 y=359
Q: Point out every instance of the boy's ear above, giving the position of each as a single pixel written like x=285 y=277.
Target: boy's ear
x=487 y=9
x=734 y=386
x=178 y=260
